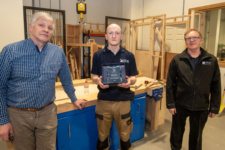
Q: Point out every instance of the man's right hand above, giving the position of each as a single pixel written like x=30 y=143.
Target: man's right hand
x=80 y=103
x=103 y=86
x=5 y=131
x=173 y=111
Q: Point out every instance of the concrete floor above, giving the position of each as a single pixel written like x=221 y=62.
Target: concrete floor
x=213 y=135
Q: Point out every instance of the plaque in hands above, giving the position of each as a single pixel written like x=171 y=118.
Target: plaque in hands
x=113 y=74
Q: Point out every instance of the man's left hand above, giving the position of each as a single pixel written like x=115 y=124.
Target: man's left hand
x=80 y=103
x=125 y=85
x=212 y=115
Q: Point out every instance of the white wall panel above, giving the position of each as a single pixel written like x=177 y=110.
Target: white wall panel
x=11 y=27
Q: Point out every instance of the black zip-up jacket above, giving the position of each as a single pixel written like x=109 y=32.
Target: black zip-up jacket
x=194 y=90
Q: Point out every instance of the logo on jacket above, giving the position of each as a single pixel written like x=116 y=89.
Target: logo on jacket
x=206 y=63
x=124 y=61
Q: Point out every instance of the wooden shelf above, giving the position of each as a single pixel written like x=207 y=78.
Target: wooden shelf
x=94 y=34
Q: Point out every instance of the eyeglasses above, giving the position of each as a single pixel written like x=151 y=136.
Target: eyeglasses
x=192 y=38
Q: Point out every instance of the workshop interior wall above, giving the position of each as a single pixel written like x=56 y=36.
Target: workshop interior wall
x=96 y=9
x=140 y=9
x=11 y=27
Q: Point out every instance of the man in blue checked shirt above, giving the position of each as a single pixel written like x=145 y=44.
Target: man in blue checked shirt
x=28 y=71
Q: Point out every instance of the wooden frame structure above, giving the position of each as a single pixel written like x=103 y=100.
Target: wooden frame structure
x=189 y=21
x=91 y=30
x=72 y=48
x=153 y=56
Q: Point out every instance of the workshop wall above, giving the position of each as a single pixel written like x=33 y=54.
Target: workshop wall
x=11 y=27
x=96 y=9
x=142 y=8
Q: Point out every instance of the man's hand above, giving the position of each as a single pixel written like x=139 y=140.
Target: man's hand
x=98 y=80
x=125 y=85
x=173 y=111
x=5 y=131
x=212 y=115
x=80 y=103
x=103 y=86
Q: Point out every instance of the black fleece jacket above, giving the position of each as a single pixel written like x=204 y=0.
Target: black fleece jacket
x=194 y=90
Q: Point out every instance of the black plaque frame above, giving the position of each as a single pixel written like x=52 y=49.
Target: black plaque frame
x=112 y=74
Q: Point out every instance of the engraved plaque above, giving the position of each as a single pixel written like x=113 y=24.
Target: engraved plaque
x=113 y=74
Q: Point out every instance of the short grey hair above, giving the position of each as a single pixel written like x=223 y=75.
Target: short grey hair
x=38 y=15
x=200 y=35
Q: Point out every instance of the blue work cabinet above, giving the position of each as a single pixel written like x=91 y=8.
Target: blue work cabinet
x=78 y=129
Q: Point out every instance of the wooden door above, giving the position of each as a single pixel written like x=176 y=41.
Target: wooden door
x=175 y=38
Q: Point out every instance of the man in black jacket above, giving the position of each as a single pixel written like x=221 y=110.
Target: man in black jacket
x=193 y=90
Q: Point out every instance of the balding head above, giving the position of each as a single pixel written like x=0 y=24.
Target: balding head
x=113 y=25
x=113 y=35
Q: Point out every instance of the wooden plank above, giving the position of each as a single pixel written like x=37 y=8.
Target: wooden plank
x=155 y=64
x=94 y=48
x=192 y=19
x=217 y=32
x=78 y=44
x=158 y=33
x=128 y=36
x=177 y=17
x=142 y=24
x=208 y=7
x=168 y=57
x=163 y=46
x=162 y=109
x=151 y=47
x=148 y=17
x=142 y=62
x=202 y=24
x=175 y=23
x=155 y=114
x=157 y=56
x=72 y=66
x=134 y=43
x=76 y=68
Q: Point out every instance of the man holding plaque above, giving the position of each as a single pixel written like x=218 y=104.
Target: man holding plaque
x=114 y=70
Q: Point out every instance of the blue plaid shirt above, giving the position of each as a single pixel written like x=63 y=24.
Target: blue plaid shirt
x=27 y=76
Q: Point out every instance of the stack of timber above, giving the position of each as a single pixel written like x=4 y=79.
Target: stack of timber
x=73 y=54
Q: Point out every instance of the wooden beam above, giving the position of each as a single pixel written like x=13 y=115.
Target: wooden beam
x=148 y=17
x=217 y=32
x=72 y=66
x=142 y=24
x=158 y=33
x=192 y=19
x=128 y=36
x=151 y=47
x=208 y=7
x=134 y=42
x=175 y=23
x=163 y=28
x=177 y=17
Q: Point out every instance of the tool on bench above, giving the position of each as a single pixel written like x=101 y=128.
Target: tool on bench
x=136 y=86
x=150 y=83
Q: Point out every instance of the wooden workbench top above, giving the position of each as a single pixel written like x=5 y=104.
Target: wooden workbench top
x=64 y=103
